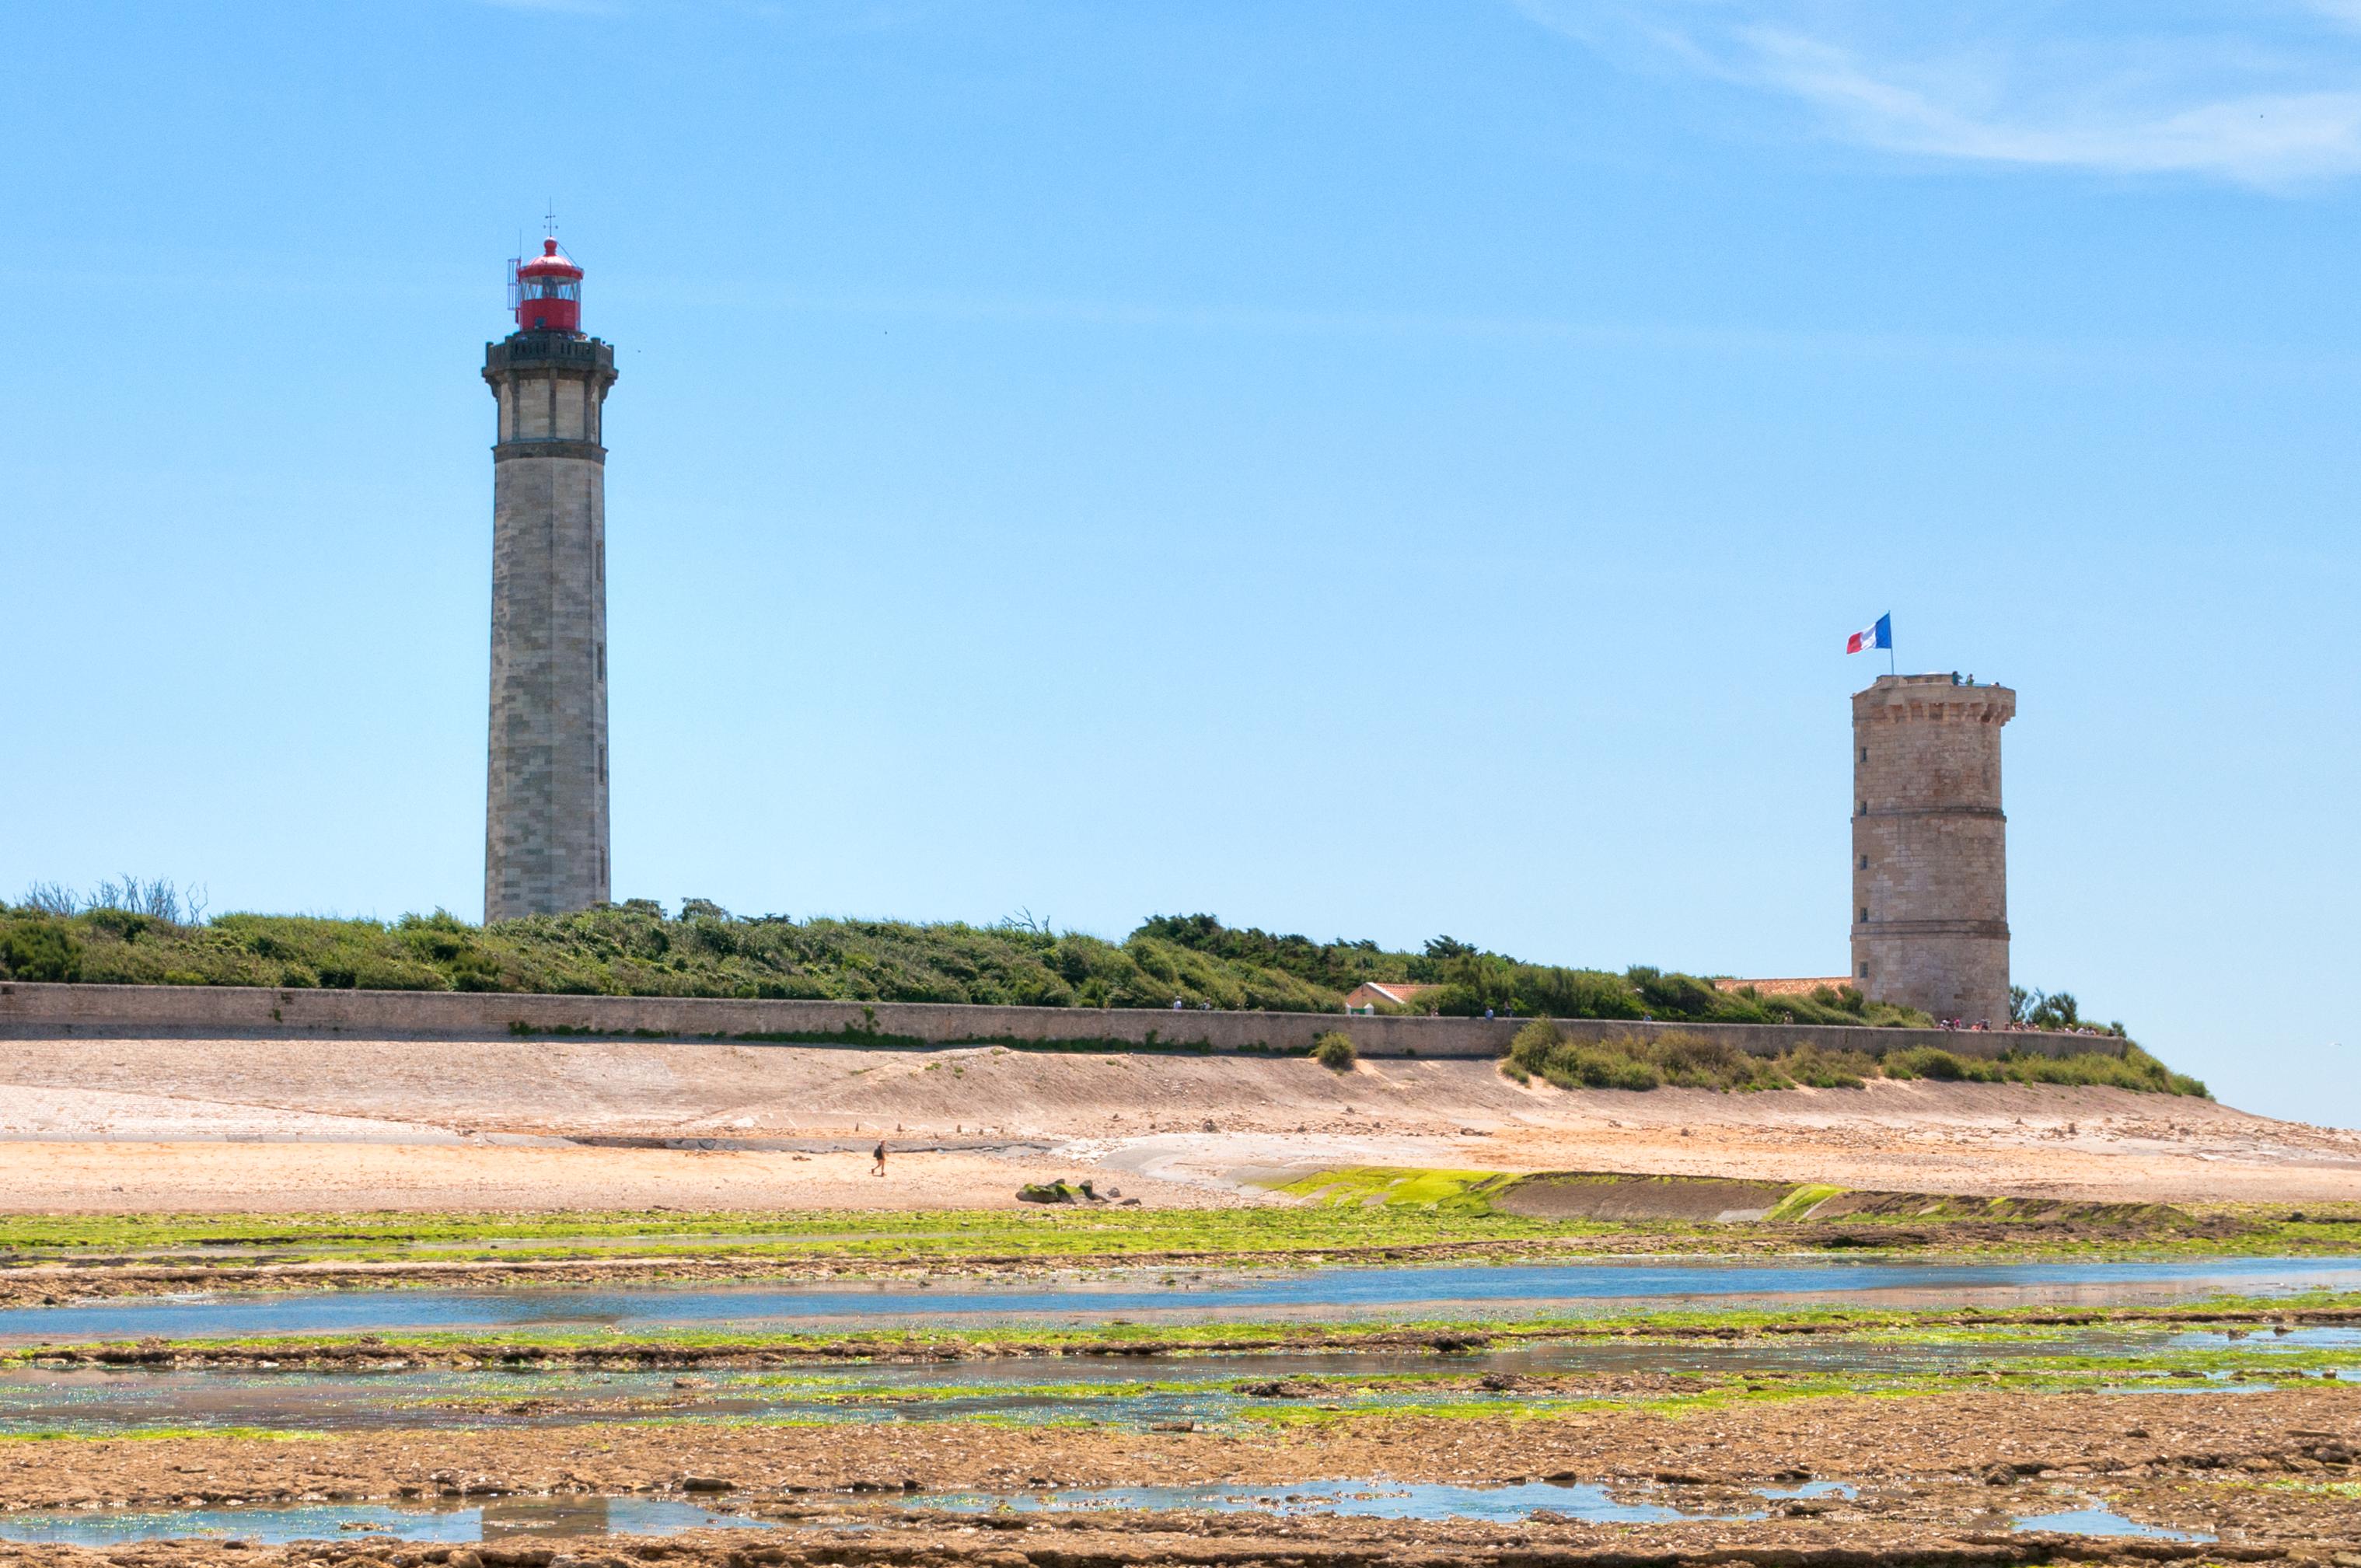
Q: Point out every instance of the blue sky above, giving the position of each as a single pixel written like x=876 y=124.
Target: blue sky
x=1368 y=469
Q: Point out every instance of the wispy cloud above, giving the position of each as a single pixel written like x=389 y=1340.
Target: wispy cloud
x=2263 y=92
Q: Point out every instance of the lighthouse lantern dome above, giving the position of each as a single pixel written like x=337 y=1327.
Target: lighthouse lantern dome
x=547 y=293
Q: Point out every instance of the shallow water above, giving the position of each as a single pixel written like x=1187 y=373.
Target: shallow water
x=1343 y=1499
x=1323 y=1293
x=1367 y=1499
x=1202 y=1389
x=502 y=1519
x=534 y=1517
x=2100 y=1521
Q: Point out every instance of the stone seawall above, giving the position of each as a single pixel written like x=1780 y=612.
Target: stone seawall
x=30 y=1010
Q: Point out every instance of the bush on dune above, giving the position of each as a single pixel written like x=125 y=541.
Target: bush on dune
x=1636 y=1062
x=1933 y=1061
x=133 y=933
x=1813 y=1068
x=1681 y=1060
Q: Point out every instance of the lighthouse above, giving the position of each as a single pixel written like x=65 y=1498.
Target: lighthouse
x=545 y=839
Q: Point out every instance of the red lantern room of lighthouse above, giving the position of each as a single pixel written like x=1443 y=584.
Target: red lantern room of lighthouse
x=547 y=293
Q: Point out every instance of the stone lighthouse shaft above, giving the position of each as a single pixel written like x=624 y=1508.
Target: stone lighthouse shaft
x=545 y=837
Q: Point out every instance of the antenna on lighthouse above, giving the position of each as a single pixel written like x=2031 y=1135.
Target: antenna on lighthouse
x=549 y=219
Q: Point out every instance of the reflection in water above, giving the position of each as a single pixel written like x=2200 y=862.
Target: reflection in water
x=1202 y=1388
x=2100 y=1521
x=1322 y=1293
x=538 y=1518
x=492 y=1521
x=1347 y=1499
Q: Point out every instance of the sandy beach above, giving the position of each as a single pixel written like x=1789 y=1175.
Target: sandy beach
x=262 y=1125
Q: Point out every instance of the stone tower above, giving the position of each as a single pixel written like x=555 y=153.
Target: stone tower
x=1930 y=867
x=545 y=821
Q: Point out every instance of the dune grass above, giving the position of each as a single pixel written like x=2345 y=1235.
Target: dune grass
x=1685 y=1061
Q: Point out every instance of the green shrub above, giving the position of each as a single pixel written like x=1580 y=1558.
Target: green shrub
x=125 y=925
x=1933 y=1061
x=1681 y=1059
x=633 y=948
x=1809 y=1064
x=1577 y=994
x=1541 y=1049
x=1531 y=1044
x=2135 y=1069
x=1334 y=1051
x=1695 y=1062
x=43 y=951
x=1598 y=1066
x=1680 y=996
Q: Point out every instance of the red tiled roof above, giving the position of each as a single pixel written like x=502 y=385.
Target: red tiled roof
x=1784 y=987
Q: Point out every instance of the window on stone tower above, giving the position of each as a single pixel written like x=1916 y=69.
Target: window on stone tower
x=1864 y=969
x=1864 y=862
x=1864 y=914
x=1864 y=753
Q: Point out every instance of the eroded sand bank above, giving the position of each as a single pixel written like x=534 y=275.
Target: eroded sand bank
x=264 y=1124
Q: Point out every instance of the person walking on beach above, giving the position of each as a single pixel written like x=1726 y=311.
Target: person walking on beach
x=879 y=1168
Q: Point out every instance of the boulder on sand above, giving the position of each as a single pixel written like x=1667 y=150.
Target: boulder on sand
x=1060 y=1192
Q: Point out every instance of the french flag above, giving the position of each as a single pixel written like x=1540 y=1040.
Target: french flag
x=1878 y=636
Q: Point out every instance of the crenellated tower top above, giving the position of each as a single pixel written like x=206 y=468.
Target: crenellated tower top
x=1952 y=697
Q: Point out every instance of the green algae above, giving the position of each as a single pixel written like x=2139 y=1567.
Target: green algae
x=1366 y=1209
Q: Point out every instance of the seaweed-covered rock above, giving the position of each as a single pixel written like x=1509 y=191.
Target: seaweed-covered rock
x=1059 y=1192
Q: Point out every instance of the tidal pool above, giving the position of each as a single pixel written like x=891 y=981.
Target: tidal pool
x=2104 y=1521
x=1499 y=1289
x=501 y=1518
x=1367 y=1499
x=529 y=1517
x=1344 y=1499
x=1204 y=1388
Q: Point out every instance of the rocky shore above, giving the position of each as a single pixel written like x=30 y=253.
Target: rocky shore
x=2271 y=1473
